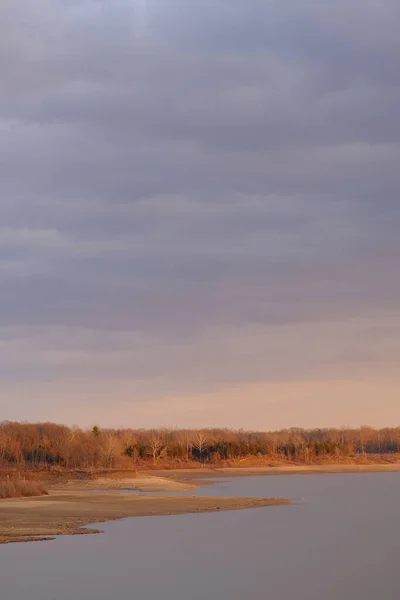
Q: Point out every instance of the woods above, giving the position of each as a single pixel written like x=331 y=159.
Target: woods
x=48 y=445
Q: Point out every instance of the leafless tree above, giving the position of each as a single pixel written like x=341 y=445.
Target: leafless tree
x=200 y=441
x=157 y=448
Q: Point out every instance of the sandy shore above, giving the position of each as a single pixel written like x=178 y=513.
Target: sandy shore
x=61 y=513
x=143 y=483
x=191 y=475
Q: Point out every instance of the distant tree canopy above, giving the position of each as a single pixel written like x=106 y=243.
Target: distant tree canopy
x=25 y=445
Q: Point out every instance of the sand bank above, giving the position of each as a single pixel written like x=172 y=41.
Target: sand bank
x=142 y=483
x=67 y=512
x=191 y=475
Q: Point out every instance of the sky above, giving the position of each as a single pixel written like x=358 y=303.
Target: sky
x=199 y=212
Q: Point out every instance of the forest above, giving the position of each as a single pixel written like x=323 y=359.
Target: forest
x=48 y=445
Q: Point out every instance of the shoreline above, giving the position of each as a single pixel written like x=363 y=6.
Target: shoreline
x=71 y=505
x=70 y=513
x=193 y=476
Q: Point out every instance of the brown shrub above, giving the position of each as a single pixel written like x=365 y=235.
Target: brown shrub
x=20 y=489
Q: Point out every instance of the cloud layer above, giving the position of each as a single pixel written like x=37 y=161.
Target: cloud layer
x=197 y=196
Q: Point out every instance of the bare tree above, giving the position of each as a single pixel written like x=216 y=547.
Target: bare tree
x=185 y=441
x=157 y=448
x=200 y=441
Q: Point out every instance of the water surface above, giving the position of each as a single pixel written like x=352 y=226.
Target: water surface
x=339 y=540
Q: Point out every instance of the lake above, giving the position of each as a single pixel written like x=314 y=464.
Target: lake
x=340 y=539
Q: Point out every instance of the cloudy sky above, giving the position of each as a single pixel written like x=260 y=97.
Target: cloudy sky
x=200 y=212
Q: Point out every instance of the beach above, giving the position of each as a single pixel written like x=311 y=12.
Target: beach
x=192 y=475
x=68 y=511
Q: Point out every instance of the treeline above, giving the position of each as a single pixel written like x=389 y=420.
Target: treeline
x=39 y=445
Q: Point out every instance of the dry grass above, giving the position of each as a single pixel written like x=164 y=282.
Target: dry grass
x=20 y=489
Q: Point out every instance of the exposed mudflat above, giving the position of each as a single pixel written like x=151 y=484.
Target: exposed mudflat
x=190 y=476
x=67 y=512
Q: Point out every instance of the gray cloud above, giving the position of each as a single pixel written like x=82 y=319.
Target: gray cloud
x=181 y=170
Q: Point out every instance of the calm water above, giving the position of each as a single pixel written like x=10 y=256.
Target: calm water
x=340 y=540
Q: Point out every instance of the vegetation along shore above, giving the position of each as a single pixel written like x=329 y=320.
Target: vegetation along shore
x=51 y=446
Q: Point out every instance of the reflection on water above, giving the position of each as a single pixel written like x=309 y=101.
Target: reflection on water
x=340 y=540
